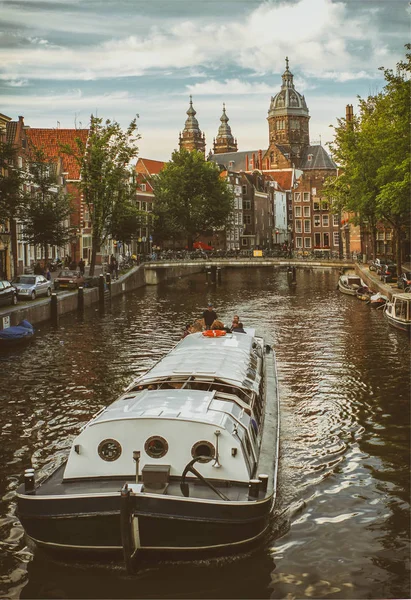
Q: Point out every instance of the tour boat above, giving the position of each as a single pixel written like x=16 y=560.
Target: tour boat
x=184 y=461
x=398 y=311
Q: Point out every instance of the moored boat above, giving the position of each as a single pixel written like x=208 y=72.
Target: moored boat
x=184 y=461
x=350 y=283
x=398 y=312
x=378 y=300
x=17 y=335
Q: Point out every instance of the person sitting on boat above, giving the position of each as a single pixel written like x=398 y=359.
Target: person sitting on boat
x=187 y=331
x=236 y=320
x=239 y=328
x=217 y=325
x=209 y=315
x=197 y=326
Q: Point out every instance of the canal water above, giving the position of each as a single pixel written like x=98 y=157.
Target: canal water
x=341 y=523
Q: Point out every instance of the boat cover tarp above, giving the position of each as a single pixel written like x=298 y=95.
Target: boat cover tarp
x=17 y=332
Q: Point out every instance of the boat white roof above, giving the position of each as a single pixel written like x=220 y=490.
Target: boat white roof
x=193 y=405
x=226 y=358
x=402 y=296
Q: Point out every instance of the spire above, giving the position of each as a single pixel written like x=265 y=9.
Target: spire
x=224 y=141
x=287 y=77
x=192 y=137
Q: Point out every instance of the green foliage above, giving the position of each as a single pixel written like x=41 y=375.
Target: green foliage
x=190 y=198
x=11 y=180
x=47 y=209
x=126 y=220
x=373 y=153
x=104 y=164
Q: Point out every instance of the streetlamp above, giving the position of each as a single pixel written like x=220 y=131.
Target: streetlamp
x=5 y=240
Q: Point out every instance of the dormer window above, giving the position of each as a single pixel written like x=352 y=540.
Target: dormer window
x=309 y=157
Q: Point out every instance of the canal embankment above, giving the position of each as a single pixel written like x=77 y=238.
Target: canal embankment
x=41 y=310
x=37 y=311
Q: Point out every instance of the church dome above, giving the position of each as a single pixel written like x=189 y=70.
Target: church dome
x=224 y=131
x=288 y=101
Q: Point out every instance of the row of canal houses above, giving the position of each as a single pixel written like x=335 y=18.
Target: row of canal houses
x=277 y=190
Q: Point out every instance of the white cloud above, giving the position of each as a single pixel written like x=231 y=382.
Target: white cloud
x=258 y=42
x=229 y=87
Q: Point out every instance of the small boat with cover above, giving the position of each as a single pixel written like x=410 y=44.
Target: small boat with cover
x=16 y=335
x=184 y=461
x=349 y=283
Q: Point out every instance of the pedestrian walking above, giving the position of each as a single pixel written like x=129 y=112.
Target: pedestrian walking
x=82 y=267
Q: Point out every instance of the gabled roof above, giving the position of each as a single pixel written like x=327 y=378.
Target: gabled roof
x=283 y=178
x=50 y=140
x=149 y=166
x=238 y=160
x=319 y=159
x=11 y=130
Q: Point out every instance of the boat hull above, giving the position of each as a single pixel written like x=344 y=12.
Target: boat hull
x=398 y=324
x=163 y=523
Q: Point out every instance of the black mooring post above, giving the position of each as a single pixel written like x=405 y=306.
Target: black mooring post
x=101 y=286
x=80 y=299
x=213 y=274
x=219 y=275
x=125 y=524
x=54 y=312
x=108 y=280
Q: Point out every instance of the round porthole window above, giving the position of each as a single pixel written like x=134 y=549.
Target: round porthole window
x=156 y=446
x=109 y=450
x=203 y=448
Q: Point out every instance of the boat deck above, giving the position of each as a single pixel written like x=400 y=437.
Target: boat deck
x=54 y=486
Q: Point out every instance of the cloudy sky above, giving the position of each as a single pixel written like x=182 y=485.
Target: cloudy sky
x=61 y=60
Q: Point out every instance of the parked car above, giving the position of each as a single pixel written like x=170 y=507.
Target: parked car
x=8 y=294
x=388 y=273
x=404 y=280
x=31 y=286
x=68 y=279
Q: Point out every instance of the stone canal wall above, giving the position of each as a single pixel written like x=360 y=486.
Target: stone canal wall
x=41 y=310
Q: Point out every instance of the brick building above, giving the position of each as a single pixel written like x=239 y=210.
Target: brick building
x=192 y=137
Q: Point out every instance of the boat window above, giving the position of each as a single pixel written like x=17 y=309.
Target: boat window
x=203 y=448
x=109 y=450
x=156 y=446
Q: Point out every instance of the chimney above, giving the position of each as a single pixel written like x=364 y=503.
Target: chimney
x=267 y=164
x=349 y=113
x=260 y=159
x=246 y=162
x=253 y=160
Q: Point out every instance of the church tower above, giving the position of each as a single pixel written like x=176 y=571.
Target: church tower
x=288 y=129
x=192 y=138
x=224 y=142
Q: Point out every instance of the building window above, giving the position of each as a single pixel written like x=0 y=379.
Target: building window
x=307 y=226
x=244 y=242
x=297 y=211
x=298 y=226
x=306 y=196
x=309 y=157
x=298 y=242
x=144 y=206
x=336 y=238
x=326 y=240
x=380 y=235
x=297 y=196
x=87 y=241
x=244 y=188
x=316 y=206
x=138 y=205
x=143 y=187
x=317 y=240
x=336 y=220
x=388 y=235
x=324 y=205
x=307 y=242
x=317 y=221
x=247 y=219
x=306 y=211
x=326 y=221
x=313 y=191
x=247 y=205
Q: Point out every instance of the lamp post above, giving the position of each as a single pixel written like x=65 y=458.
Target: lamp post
x=5 y=240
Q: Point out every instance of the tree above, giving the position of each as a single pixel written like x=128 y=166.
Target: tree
x=11 y=198
x=47 y=209
x=372 y=150
x=126 y=220
x=190 y=198
x=104 y=160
